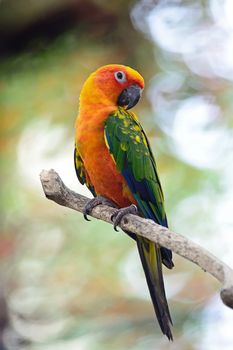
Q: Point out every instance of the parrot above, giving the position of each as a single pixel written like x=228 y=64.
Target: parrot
x=114 y=159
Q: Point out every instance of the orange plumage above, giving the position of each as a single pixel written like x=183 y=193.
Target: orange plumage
x=97 y=101
x=114 y=159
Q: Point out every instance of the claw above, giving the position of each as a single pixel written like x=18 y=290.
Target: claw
x=120 y=213
x=85 y=213
x=92 y=203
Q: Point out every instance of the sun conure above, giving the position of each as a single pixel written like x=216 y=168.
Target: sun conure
x=114 y=159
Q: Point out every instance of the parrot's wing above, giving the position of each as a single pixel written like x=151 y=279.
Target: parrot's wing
x=130 y=149
x=81 y=171
x=128 y=144
x=131 y=152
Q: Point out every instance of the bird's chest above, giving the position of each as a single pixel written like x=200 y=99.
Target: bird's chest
x=102 y=170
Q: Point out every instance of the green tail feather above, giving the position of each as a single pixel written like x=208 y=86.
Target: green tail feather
x=151 y=261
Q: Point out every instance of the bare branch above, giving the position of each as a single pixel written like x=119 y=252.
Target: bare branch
x=56 y=190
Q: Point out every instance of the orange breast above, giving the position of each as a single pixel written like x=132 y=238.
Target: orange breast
x=101 y=168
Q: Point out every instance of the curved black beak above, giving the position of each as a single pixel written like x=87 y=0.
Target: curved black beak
x=129 y=97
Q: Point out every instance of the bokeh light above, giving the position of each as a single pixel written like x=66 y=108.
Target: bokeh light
x=69 y=284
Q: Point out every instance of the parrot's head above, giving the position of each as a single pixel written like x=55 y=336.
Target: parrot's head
x=115 y=85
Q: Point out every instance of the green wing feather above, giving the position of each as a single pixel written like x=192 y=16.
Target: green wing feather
x=129 y=146
x=130 y=149
x=81 y=172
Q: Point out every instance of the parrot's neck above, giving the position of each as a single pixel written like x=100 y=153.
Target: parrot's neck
x=94 y=115
x=94 y=109
x=91 y=121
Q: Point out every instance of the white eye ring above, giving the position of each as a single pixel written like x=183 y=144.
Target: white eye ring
x=120 y=76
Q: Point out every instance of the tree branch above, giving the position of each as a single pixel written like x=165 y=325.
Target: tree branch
x=56 y=190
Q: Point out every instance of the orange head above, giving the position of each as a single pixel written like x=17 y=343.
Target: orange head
x=112 y=85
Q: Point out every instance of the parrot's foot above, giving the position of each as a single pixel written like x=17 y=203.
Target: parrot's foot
x=120 y=213
x=92 y=203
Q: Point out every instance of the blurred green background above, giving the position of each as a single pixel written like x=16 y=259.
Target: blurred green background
x=69 y=284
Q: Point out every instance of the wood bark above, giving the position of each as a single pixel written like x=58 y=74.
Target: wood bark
x=56 y=190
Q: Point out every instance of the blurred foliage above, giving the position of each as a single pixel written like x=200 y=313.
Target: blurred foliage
x=66 y=283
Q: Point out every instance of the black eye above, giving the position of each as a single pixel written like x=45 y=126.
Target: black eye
x=120 y=76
